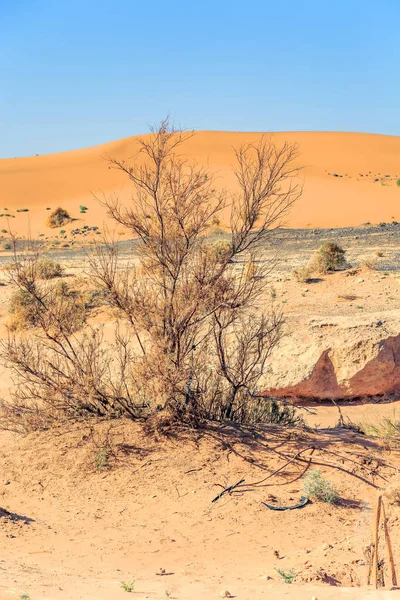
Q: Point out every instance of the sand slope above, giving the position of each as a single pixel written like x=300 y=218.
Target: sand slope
x=360 y=192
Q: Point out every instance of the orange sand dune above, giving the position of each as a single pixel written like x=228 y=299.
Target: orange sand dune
x=367 y=167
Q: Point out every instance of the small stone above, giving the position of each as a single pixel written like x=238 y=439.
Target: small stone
x=226 y=594
x=7 y=482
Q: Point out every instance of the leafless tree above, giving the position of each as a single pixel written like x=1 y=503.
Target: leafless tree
x=197 y=342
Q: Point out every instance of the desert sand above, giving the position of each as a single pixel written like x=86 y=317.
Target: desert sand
x=74 y=527
x=349 y=178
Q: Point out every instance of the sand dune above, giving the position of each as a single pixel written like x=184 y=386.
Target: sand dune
x=349 y=178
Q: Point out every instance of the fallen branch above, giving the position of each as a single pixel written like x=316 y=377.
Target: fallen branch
x=227 y=490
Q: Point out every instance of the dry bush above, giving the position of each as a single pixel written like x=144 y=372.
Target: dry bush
x=29 y=310
x=387 y=430
x=370 y=263
x=301 y=275
x=221 y=250
x=48 y=269
x=250 y=269
x=58 y=218
x=328 y=257
x=195 y=344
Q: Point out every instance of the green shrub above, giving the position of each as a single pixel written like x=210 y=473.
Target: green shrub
x=317 y=487
x=398 y=182
x=287 y=576
x=58 y=218
x=270 y=411
x=328 y=257
x=7 y=246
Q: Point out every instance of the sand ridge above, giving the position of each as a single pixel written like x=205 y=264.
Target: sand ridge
x=349 y=178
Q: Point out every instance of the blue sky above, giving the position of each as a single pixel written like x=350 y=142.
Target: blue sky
x=74 y=73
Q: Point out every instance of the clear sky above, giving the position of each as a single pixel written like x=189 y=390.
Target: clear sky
x=74 y=73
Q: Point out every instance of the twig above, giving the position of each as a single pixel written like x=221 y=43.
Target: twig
x=375 y=537
x=192 y=470
x=389 y=547
x=228 y=489
x=141 y=466
x=282 y=467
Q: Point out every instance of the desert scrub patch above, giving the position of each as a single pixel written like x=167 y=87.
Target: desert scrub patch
x=48 y=269
x=270 y=411
x=58 y=218
x=7 y=246
x=370 y=263
x=26 y=311
x=387 y=430
x=329 y=257
x=318 y=488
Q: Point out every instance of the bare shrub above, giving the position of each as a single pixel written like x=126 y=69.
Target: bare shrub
x=195 y=343
x=328 y=257
x=58 y=218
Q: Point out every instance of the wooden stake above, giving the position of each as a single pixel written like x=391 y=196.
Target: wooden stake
x=389 y=547
x=375 y=538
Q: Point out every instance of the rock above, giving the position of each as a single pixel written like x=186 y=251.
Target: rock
x=341 y=357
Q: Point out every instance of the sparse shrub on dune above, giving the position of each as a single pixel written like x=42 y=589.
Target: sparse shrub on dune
x=58 y=218
x=398 y=182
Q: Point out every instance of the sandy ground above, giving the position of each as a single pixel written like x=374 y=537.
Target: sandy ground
x=349 y=178
x=78 y=531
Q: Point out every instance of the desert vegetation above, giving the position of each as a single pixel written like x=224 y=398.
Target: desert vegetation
x=191 y=340
x=58 y=218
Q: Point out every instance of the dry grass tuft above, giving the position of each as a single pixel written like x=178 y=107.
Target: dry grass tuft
x=58 y=217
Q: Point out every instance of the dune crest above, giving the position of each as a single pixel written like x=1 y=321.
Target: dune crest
x=349 y=178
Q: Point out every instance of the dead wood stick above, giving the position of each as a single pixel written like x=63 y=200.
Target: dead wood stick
x=375 y=539
x=141 y=466
x=295 y=457
x=228 y=489
x=372 y=471
x=389 y=547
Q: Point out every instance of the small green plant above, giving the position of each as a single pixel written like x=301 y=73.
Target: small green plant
x=317 y=487
x=168 y=593
x=7 y=246
x=287 y=576
x=83 y=209
x=128 y=586
x=25 y=597
x=4 y=231
x=62 y=231
x=102 y=458
x=398 y=182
